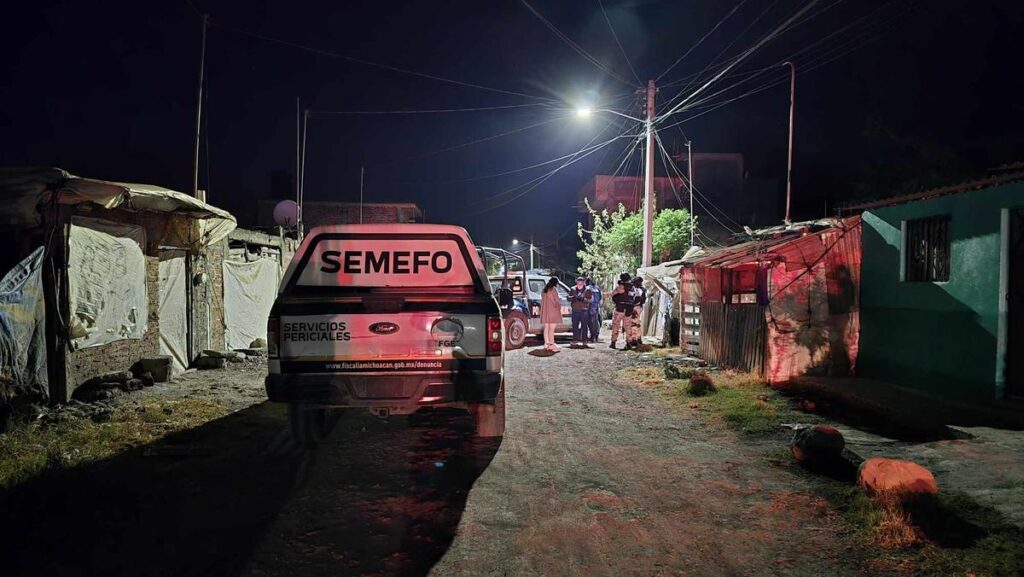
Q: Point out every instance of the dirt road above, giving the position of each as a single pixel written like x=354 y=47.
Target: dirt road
x=595 y=476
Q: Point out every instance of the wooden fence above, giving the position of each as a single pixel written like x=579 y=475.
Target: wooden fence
x=733 y=336
x=689 y=328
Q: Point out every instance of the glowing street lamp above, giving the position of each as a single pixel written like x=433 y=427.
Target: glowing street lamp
x=648 y=242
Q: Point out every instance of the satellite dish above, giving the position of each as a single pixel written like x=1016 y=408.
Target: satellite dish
x=286 y=213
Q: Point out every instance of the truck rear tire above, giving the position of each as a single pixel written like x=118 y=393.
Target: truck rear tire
x=489 y=418
x=516 y=327
x=309 y=425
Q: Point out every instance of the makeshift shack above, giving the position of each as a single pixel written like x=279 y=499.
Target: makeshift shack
x=123 y=271
x=783 y=304
x=661 y=314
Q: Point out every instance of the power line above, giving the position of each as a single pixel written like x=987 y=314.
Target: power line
x=545 y=178
x=619 y=44
x=426 y=111
x=778 y=30
x=586 y=150
x=698 y=195
x=576 y=47
x=469 y=143
x=702 y=38
x=331 y=54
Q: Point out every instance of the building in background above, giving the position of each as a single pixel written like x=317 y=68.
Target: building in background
x=726 y=198
x=319 y=213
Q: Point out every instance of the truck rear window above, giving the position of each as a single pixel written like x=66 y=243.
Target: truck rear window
x=368 y=261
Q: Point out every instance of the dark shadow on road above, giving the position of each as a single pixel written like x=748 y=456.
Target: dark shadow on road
x=194 y=503
x=378 y=498
x=231 y=498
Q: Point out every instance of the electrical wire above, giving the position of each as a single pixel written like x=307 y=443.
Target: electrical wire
x=821 y=59
x=364 y=62
x=764 y=40
x=427 y=111
x=469 y=143
x=542 y=181
x=576 y=47
x=586 y=149
x=619 y=44
x=702 y=39
x=698 y=196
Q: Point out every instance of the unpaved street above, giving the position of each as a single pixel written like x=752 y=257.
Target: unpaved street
x=596 y=476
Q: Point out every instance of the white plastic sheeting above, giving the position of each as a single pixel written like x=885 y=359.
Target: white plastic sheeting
x=106 y=282
x=173 y=321
x=23 y=330
x=249 y=291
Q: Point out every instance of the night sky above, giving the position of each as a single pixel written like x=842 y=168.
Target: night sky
x=107 y=90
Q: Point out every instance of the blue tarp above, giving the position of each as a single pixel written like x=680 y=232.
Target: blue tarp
x=23 y=330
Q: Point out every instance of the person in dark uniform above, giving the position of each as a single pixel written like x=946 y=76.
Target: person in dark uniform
x=622 y=297
x=579 y=301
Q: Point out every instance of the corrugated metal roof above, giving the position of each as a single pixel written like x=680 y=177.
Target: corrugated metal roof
x=770 y=243
x=958 y=188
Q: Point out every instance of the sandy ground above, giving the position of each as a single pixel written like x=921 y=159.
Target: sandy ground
x=595 y=476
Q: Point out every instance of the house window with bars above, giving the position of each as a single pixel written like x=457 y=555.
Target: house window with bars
x=926 y=249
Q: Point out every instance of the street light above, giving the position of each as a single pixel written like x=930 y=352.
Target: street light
x=515 y=242
x=648 y=242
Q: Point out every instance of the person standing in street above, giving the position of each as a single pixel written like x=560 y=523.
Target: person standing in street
x=622 y=298
x=634 y=336
x=550 y=313
x=579 y=301
x=595 y=309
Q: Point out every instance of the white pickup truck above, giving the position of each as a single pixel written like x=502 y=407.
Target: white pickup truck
x=389 y=318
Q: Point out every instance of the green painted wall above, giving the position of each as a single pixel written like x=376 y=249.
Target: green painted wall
x=939 y=338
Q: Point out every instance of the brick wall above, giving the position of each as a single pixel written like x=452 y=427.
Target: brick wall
x=215 y=261
x=85 y=364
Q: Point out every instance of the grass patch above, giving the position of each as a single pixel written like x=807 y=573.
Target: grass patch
x=942 y=535
x=30 y=448
x=742 y=401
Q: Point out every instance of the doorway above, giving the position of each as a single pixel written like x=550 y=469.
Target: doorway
x=173 y=309
x=1015 y=307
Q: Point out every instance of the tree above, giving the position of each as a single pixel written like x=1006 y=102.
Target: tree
x=615 y=242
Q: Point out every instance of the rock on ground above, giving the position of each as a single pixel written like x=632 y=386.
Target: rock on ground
x=881 y=476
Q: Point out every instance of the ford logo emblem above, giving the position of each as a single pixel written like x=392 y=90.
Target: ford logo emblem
x=383 y=328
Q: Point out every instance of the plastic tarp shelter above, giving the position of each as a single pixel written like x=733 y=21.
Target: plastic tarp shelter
x=23 y=330
x=662 y=284
x=250 y=289
x=194 y=223
x=106 y=282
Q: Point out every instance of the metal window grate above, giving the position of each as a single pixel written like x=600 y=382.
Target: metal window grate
x=928 y=244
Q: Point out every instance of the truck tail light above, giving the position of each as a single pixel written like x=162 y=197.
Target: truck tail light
x=494 y=336
x=273 y=334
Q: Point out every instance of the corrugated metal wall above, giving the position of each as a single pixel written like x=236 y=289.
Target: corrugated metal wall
x=733 y=336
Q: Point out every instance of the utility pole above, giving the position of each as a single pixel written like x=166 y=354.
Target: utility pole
x=362 y=175
x=298 y=168
x=302 y=166
x=199 y=108
x=648 y=248
x=789 y=167
x=689 y=165
x=531 y=252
